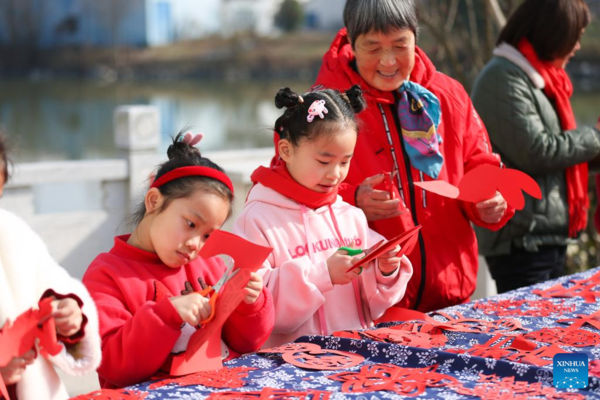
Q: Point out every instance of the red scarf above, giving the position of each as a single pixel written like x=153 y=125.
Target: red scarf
x=279 y=179
x=560 y=89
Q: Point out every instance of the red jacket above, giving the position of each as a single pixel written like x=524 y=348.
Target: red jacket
x=445 y=262
x=138 y=324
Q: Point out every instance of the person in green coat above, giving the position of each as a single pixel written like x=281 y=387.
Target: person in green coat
x=523 y=97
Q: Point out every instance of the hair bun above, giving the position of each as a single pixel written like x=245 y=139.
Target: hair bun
x=356 y=99
x=286 y=98
x=182 y=147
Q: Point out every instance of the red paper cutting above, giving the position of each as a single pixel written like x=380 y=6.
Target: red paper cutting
x=406 y=240
x=581 y=288
x=396 y=313
x=406 y=338
x=565 y=337
x=348 y=334
x=323 y=359
x=292 y=347
x=481 y=183
x=221 y=378
x=272 y=394
x=388 y=186
x=474 y=325
x=403 y=381
x=530 y=308
x=594 y=368
x=581 y=320
x=204 y=348
x=112 y=394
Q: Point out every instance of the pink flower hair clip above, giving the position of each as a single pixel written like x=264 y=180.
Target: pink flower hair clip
x=317 y=108
x=192 y=139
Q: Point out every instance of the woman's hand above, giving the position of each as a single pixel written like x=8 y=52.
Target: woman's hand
x=67 y=316
x=253 y=288
x=388 y=263
x=492 y=210
x=192 y=308
x=338 y=264
x=376 y=204
x=13 y=372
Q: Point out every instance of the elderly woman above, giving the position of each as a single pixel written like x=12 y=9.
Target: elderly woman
x=523 y=97
x=419 y=125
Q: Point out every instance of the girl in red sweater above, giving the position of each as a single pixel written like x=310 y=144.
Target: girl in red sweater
x=145 y=287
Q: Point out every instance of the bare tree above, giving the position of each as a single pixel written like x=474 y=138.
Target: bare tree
x=465 y=32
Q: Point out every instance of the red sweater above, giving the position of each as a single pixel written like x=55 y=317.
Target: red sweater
x=445 y=262
x=138 y=324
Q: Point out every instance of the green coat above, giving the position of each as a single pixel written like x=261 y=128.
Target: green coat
x=525 y=130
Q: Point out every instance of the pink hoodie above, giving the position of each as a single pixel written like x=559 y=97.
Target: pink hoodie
x=306 y=302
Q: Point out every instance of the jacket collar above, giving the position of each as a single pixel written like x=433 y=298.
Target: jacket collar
x=513 y=55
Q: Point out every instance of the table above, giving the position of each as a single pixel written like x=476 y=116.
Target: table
x=457 y=365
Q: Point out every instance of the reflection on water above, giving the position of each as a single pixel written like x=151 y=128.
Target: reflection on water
x=63 y=120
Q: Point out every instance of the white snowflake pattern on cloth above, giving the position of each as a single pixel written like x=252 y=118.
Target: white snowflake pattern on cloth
x=427 y=357
x=372 y=347
x=544 y=376
x=333 y=343
x=397 y=354
x=446 y=366
x=490 y=363
x=520 y=369
x=470 y=374
x=261 y=363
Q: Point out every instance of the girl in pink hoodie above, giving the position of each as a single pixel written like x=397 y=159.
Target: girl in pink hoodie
x=294 y=208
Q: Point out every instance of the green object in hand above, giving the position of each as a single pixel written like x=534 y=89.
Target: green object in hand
x=351 y=251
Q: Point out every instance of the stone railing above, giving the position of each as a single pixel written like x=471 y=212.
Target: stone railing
x=77 y=207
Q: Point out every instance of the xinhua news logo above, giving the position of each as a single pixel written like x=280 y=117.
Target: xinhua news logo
x=570 y=370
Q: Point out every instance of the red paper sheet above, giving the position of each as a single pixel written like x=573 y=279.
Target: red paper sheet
x=406 y=240
x=204 y=348
x=112 y=394
x=220 y=378
x=403 y=381
x=272 y=394
x=481 y=183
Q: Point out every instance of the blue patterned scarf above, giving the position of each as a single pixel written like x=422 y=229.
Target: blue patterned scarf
x=420 y=115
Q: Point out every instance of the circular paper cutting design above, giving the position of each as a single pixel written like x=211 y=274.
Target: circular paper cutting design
x=564 y=337
x=292 y=347
x=323 y=359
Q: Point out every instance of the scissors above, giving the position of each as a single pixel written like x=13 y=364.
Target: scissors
x=354 y=252
x=213 y=291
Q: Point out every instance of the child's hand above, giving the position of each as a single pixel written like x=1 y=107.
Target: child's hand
x=67 y=316
x=13 y=372
x=338 y=264
x=253 y=288
x=192 y=308
x=388 y=262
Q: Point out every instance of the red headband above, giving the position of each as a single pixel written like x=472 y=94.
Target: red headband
x=193 y=171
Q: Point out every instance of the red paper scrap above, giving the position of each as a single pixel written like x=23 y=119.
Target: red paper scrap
x=292 y=347
x=272 y=394
x=481 y=183
x=396 y=313
x=565 y=337
x=204 y=348
x=348 y=334
x=406 y=338
x=112 y=394
x=474 y=325
x=403 y=381
x=580 y=288
x=581 y=320
x=406 y=240
x=529 y=308
x=220 y=378
x=594 y=368
x=323 y=359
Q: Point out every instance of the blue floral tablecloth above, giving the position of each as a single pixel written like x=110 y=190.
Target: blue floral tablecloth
x=469 y=372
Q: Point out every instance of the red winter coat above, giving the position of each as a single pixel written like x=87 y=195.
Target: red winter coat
x=445 y=262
